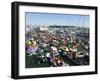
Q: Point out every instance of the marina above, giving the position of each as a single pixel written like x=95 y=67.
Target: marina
x=50 y=47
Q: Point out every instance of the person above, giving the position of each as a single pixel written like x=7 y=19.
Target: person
x=31 y=50
x=74 y=55
x=49 y=59
x=59 y=62
x=60 y=52
x=54 y=51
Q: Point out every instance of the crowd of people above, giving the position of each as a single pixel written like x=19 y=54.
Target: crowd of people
x=49 y=47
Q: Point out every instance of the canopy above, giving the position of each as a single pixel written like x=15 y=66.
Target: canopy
x=73 y=49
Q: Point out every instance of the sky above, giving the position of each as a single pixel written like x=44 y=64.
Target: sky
x=56 y=19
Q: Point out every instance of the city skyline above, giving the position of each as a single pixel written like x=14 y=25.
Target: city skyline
x=56 y=19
